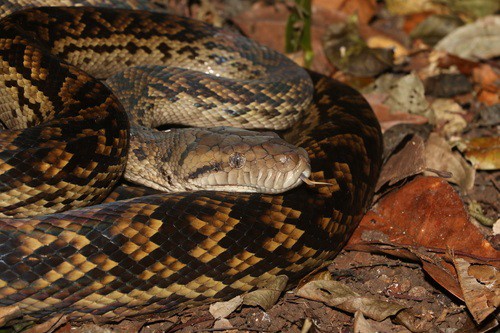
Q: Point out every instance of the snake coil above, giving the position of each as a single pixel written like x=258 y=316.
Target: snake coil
x=155 y=252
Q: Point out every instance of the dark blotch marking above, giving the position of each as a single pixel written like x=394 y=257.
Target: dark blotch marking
x=141 y=155
x=215 y=166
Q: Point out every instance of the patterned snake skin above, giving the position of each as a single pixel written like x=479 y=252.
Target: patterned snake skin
x=156 y=252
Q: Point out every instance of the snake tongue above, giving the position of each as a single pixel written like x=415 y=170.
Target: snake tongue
x=310 y=182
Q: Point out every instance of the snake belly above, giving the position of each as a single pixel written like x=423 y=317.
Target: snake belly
x=164 y=251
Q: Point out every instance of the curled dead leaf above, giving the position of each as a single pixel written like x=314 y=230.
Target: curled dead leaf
x=223 y=309
x=266 y=296
x=449 y=116
x=481 y=287
x=361 y=325
x=439 y=156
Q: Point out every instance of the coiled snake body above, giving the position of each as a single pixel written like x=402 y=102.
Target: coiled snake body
x=161 y=251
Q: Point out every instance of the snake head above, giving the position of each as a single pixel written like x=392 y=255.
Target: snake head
x=217 y=159
x=231 y=159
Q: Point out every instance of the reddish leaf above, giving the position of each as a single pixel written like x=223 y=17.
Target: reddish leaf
x=425 y=219
x=365 y=9
x=428 y=212
x=262 y=19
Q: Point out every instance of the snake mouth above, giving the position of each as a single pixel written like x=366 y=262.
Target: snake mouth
x=252 y=182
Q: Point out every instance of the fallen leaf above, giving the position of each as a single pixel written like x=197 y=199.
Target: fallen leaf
x=496 y=227
x=482 y=36
x=439 y=156
x=435 y=27
x=483 y=153
x=266 y=296
x=223 y=324
x=449 y=116
x=361 y=325
x=261 y=19
x=223 y=309
x=339 y=295
x=474 y=8
x=481 y=287
x=424 y=220
x=408 y=161
x=447 y=85
x=447 y=61
x=386 y=117
x=405 y=94
x=345 y=49
x=404 y=7
x=364 y=9
x=488 y=80
x=490 y=115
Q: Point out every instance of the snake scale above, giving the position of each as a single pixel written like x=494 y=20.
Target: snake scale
x=161 y=251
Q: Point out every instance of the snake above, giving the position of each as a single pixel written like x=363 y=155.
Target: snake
x=63 y=250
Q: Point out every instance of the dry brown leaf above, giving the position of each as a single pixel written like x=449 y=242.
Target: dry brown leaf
x=449 y=116
x=361 y=325
x=447 y=85
x=224 y=325
x=266 y=296
x=345 y=48
x=435 y=27
x=438 y=156
x=481 y=287
x=223 y=309
x=339 y=295
x=404 y=94
x=408 y=161
x=482 y=36
x=486 y=76
x=446 y=60
x=483 y=153
x=386 y=117
x=364 y=9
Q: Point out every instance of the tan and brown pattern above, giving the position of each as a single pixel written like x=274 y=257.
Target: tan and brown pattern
x=162 y=251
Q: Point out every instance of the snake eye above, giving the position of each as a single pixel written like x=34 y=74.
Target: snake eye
x=237 y=160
